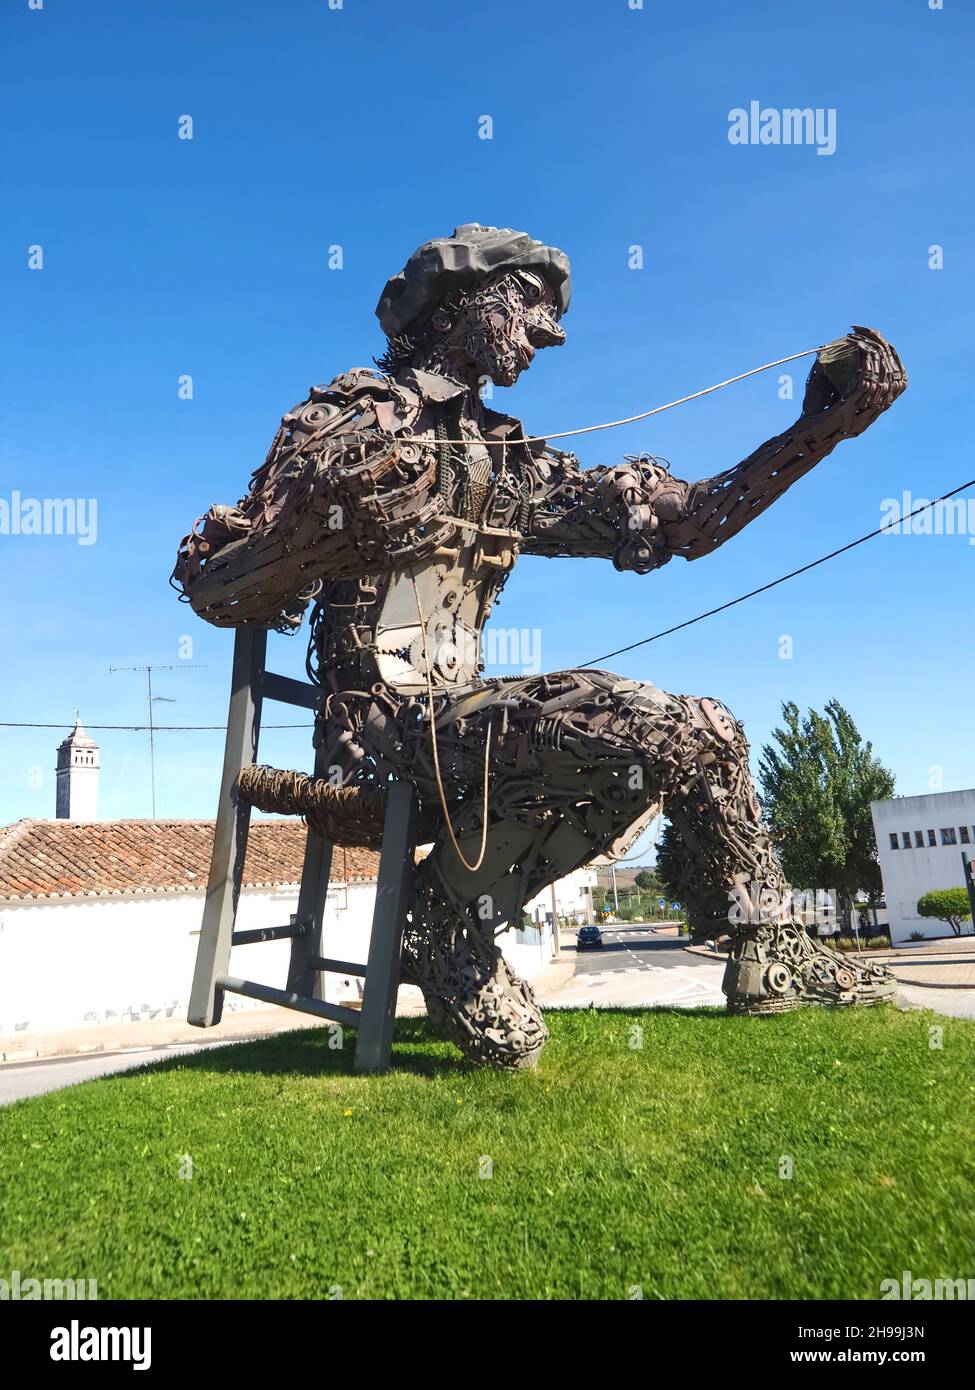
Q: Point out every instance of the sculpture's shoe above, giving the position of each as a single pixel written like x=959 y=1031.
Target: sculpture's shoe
x=497 y=1022
x=777 y=966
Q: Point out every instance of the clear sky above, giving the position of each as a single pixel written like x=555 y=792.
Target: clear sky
x=359 y=127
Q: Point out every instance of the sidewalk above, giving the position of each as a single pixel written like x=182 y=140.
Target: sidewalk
x=946 y=965
x=158 y=1032
x=242 y=1025
x=943 y=964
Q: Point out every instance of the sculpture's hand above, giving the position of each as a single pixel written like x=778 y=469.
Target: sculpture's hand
x=860 y=373
x=851 y=383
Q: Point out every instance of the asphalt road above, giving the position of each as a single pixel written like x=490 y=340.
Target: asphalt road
x=636 y=965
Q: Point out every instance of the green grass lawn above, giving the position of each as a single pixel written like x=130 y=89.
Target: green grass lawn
x=613 y=1167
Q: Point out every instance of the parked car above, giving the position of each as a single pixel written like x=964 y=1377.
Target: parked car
x=589 y=938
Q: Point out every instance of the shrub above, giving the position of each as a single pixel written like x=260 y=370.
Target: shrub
x=949 y=905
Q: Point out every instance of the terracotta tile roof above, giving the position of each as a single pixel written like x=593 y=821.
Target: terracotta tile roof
x=67 y=859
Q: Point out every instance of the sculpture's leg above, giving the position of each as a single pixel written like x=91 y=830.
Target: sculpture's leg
x=473 y=996
x=733 y=882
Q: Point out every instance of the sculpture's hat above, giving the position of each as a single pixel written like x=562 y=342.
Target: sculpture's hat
x=454 y=262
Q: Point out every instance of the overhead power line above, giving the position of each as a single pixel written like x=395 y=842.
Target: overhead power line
x=764 y=588
x=157 y=728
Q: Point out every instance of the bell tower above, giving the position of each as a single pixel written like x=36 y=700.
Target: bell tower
x=77 y=776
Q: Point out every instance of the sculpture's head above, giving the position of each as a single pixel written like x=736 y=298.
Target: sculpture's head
x=481 y=302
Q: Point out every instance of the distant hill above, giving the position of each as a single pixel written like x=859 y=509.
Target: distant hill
x=625 y=877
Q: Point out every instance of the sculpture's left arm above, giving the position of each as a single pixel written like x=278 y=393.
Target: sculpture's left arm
x=640 y=516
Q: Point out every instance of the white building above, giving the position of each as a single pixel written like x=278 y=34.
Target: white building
x=920 y=841
x=100 y=920
x=573 y=899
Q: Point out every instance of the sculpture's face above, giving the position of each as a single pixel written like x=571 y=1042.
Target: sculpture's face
x=500 y=324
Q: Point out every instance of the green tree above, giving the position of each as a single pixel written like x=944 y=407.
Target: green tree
x=646 y=880
x=816 y=786
x=949 y=905
x=670 y=861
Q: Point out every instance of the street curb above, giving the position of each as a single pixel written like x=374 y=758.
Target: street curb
x=553 y=978
x=40 y=1058
x=68 y=1054
x=931 y=984
x=181 y=1035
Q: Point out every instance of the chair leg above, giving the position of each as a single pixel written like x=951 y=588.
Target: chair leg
x=375 y=1043
x=230 y=831
x=312 y=896
x=316 y=870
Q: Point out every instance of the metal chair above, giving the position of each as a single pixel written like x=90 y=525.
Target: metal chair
x=251 y=685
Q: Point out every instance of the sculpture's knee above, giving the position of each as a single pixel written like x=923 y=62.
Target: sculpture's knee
x=634 y=717
x=675 y=734
x=720 y=726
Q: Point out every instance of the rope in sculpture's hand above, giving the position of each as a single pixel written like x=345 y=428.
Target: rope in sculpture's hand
x=657 y=409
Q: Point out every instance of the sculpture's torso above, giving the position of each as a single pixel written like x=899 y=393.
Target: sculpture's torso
x=371 y=630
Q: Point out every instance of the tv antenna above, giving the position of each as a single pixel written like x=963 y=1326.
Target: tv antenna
x=155 y=700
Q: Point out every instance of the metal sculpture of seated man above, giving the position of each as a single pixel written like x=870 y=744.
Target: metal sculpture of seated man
x=397 y=503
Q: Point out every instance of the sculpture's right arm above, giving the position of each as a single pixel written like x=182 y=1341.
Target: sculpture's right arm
x=342 y=494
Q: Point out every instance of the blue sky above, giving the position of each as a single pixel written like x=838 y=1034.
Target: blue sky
x=359 y=127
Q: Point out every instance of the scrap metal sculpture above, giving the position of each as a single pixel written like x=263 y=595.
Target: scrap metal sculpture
x=396 y=503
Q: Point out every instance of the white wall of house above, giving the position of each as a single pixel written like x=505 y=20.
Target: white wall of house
x=65 y=963
x=527 y=952
x=68 y=962
x=916 y=865
x=571 y=898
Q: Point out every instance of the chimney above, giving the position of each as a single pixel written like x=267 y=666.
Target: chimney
x=77 y=776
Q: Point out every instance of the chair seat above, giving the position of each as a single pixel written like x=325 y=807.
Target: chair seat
x=349 y=816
